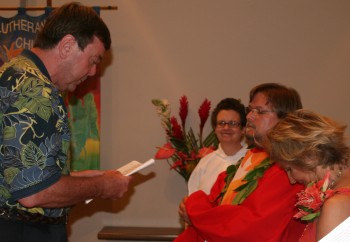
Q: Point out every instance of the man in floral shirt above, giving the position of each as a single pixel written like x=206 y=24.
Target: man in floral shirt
x=36 y=188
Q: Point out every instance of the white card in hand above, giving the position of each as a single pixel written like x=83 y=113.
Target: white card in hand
x=134 y=166
x=131 y=168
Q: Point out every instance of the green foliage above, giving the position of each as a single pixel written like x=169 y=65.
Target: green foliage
x=251 y=181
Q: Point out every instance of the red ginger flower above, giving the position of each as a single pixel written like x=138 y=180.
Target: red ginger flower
x=176 y=131
x=183 y=111
x=203 y=115
x=204 y=112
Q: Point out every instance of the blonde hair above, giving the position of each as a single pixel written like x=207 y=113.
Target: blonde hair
x=306 y=140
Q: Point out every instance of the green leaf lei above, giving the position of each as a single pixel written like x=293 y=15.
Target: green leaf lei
x=251 y=179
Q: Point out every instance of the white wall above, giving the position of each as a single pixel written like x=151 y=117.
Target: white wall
x=203 y=49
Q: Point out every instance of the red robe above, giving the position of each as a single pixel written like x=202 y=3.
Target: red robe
x=265 y=215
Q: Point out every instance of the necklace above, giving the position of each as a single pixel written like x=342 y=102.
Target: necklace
x=340 y=171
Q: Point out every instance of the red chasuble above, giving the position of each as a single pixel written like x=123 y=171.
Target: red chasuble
x=265 y=215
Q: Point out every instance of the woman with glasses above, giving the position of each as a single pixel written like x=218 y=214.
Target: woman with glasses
x=228 y=120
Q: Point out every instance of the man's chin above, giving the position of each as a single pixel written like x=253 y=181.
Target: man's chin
x=71 y=88
x=249 y=140
x=249 y=134
x=253 y=139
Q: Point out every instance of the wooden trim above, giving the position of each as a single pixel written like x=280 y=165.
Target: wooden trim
x=43 y=8
x=138 y=233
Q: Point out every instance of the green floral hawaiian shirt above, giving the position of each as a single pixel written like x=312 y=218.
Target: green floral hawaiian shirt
x=34 y=132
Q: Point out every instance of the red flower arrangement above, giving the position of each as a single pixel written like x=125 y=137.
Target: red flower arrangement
x=183 y=149
x=312 y=198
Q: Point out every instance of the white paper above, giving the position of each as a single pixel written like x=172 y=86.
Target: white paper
x=131 y=168
x=341 y=233
x=134 y=166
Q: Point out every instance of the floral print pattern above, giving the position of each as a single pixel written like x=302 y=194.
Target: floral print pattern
x=34 y=132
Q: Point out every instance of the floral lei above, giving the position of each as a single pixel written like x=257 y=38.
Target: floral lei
x=251 y=179
x=312 y=198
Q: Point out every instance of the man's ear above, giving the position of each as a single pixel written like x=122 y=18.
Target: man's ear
x=66 y=46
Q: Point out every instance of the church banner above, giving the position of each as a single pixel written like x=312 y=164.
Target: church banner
x=18 y=33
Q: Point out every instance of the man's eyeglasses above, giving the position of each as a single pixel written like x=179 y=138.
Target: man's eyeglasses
x=230 y=124
x=258 y=111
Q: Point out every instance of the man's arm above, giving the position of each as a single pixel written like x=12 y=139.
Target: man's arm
x=69 y=190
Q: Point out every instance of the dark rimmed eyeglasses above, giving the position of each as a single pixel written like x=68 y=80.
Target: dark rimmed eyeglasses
x=258 y=111
x=231 y=124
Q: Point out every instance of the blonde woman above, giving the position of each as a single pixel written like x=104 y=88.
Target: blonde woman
x=313 y=151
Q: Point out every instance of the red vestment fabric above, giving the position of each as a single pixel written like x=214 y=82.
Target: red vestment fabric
x=265 y=215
